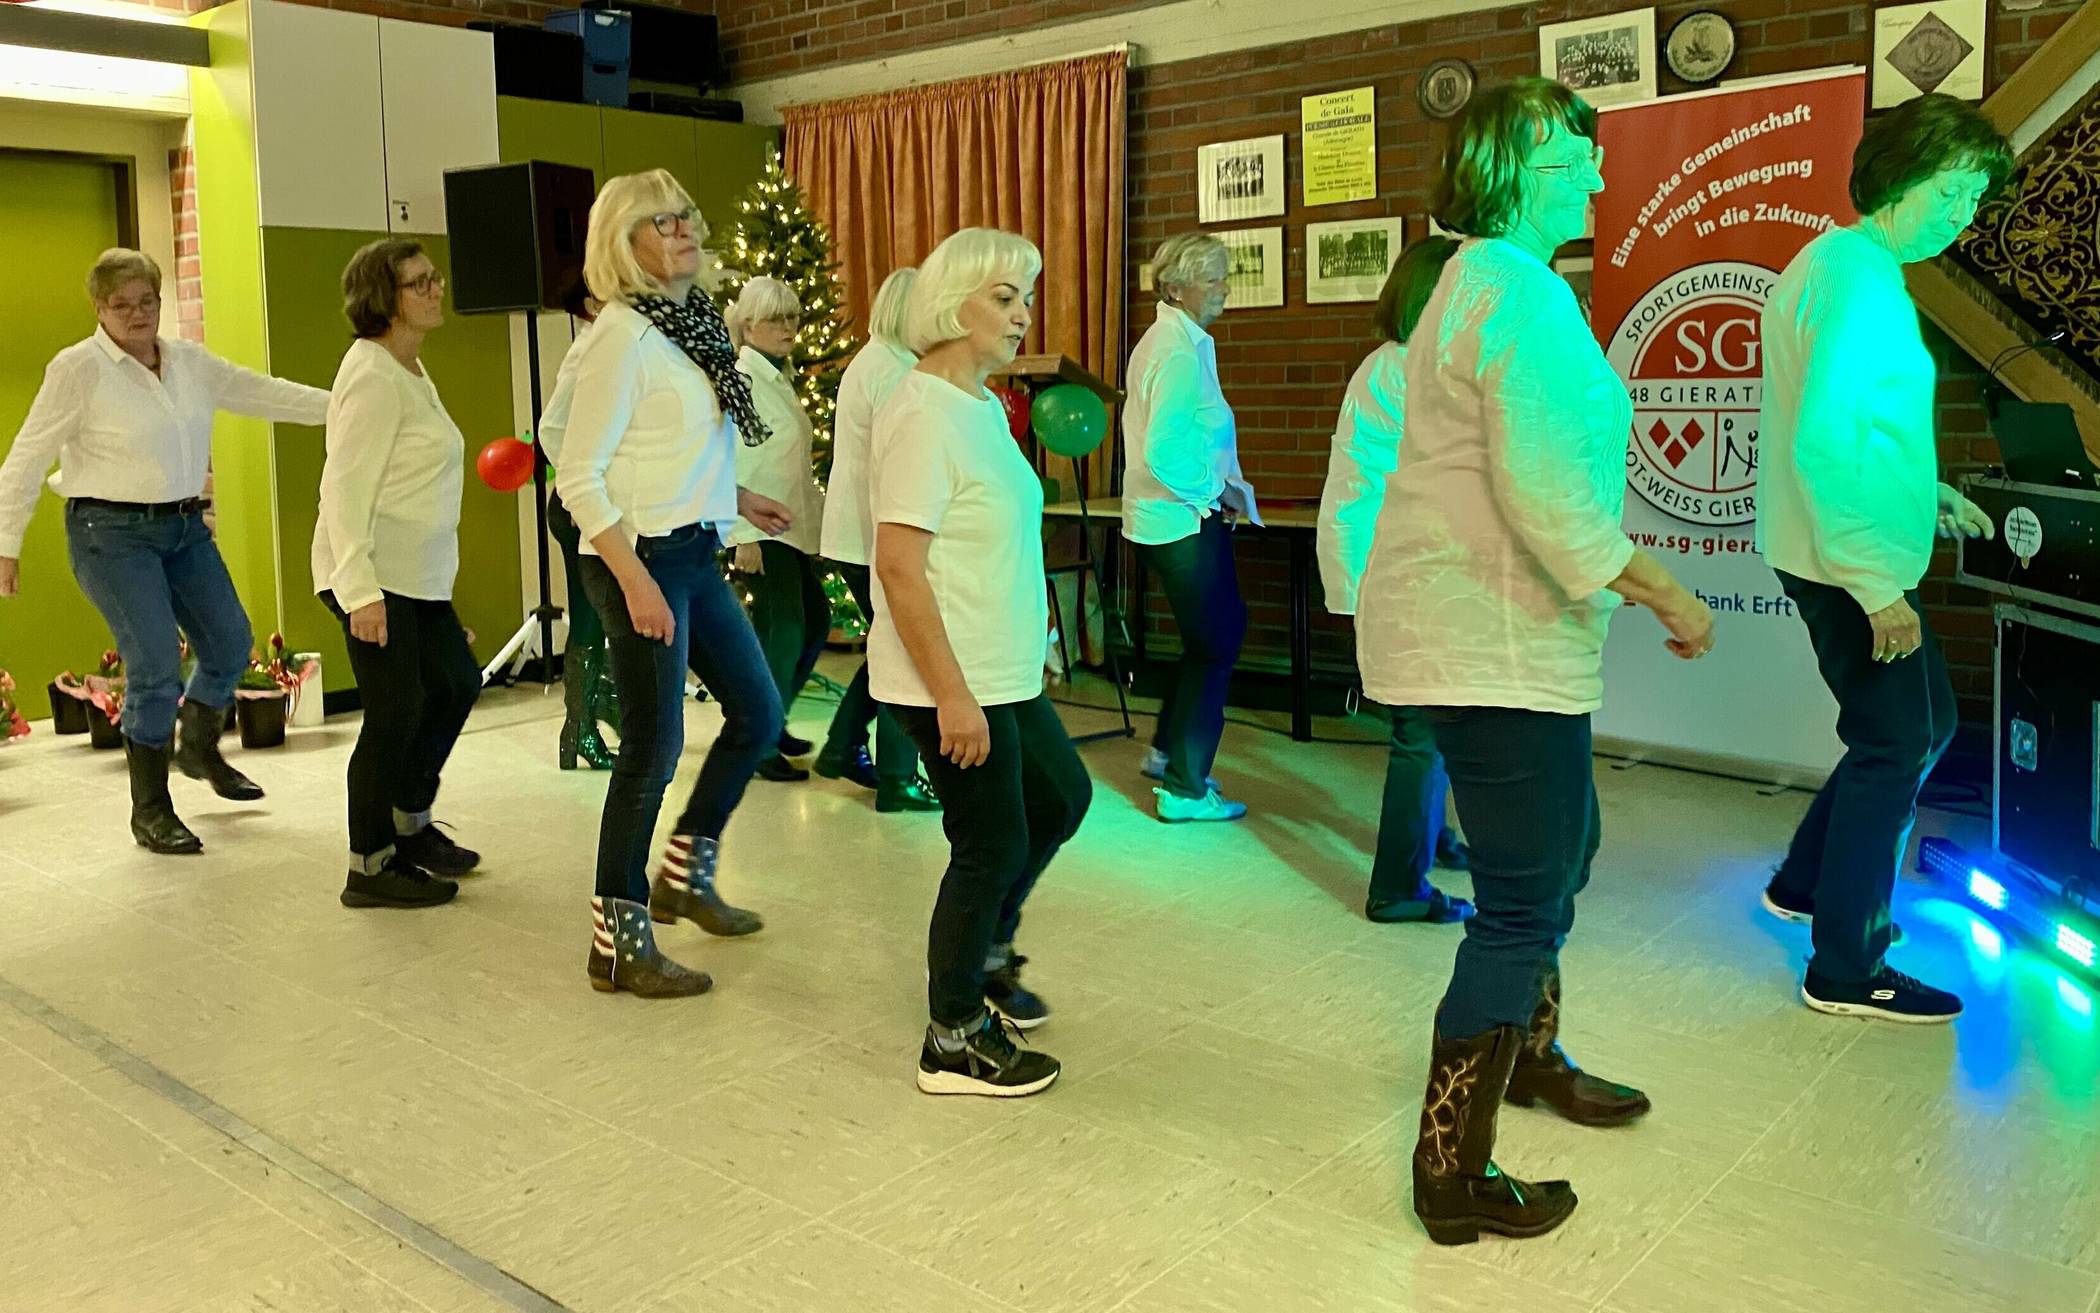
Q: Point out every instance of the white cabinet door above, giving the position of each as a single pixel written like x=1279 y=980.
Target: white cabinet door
x=438 y=85
x=320 y=151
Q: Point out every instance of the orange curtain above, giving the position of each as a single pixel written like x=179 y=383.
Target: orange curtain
x=1037 y=151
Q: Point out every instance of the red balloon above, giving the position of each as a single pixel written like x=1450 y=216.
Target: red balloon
x=505 y=464
x=1014 y=399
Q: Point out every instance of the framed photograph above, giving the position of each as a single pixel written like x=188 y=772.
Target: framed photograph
x=1255 y=278
x=1577 y=269
x=1609 y=59
x=1239 y=179
x=1348 y=260
x=1929 y=47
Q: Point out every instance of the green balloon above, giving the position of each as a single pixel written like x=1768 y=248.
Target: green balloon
x=1069 y=420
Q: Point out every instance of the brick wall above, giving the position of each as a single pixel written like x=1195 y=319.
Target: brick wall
x=1284 y=370
x=189 y=266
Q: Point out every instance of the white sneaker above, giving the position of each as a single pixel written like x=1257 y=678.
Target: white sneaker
x=1212 y=806
x=1154 y=767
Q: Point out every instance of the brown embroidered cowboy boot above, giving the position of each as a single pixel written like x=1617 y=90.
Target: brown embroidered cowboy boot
x=1459 y=1192
x=1545 y=1075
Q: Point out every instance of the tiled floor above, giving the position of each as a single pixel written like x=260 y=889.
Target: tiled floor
x=399 y=1109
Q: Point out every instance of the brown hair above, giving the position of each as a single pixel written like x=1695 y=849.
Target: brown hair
x=372 y=284
x=1919 y=138
x=1408 y=287
x=1483 y=182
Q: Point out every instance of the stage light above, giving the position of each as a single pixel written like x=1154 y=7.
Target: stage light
x=1987 y=891
x=2074 y=945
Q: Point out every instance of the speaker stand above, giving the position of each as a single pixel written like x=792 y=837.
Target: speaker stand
x=538 y=629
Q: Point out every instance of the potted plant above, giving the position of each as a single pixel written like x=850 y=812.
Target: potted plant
x=12 y=726
x=267 y=694
x=69 y=708
x=102 y=694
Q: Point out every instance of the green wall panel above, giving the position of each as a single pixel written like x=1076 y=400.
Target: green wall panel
x=731 y=158
x=550 y=130
x=61 y=213
x=470 y=360
x=636 y=142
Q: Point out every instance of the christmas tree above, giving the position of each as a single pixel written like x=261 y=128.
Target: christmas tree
x=776 y=235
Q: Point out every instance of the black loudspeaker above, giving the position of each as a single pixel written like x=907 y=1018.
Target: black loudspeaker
x=517 y=234
x=673 y=46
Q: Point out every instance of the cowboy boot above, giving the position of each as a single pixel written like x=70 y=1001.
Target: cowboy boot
x=153 y=820
x=1459 y=1192
x=579 y=731
x=198 y=728
x=624 y=955
x=685 y=888
x=1544 y=1074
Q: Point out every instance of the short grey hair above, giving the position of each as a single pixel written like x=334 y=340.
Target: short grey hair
x=963 y=265
x=1188 y=258
x=117 y=266
x=760 y=298
x=886 y=318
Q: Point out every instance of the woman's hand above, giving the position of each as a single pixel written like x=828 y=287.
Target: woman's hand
x=770 y=516
x=10 y=575
x=649 y=612
x=748 y=559
x=1962 y=518
x=368 y=623
x=1897 y=631
x=966 y=736
x=1691 y=625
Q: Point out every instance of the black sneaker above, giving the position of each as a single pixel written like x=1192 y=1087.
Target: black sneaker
x=1803 y=912
x=398 y=885
x=1889 y=995
x=433 y=850
x=1006 y=996
x=857 y=767
x=790 y=746
x=988 y=1063
x=780 y=770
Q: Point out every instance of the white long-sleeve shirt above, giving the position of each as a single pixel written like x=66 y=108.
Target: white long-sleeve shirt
x=1366 y=449
x=121 y=433
x=1848 y=467
x=849 y=523
x=1181 y=454
x=1500 y=530
x=779 y=467
x=391 y=485
x=554 y=418
x=647 y=446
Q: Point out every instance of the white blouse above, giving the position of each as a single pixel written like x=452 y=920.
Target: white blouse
x=779 y=467
x=849 y=525
x=1366 y=449
x=648 y=446
x=1501 y=526
x=1181 y=453
x=1848 y=467
x=390 y=488
x=122 y=433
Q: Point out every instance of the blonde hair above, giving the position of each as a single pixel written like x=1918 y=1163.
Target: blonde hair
x=1187 y=258
x=886 y=317
x=623 y=203
x=960 y=267
x=761 y=298
x=117 y=266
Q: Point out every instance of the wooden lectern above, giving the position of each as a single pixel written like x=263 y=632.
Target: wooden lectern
x=1037 y=373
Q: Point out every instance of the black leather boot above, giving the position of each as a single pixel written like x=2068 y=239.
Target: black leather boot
x=197 y=731
x=1545 y=1075
x=624 y=955
x=153 y=820
x=1459 y=1192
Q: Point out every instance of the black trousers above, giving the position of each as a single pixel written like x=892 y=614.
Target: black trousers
x=1896 y=719
x=1005 y=820
x=1202 y=587
x=417 y=692
x=896 y=757
x=1525 y=793
x=791 y=615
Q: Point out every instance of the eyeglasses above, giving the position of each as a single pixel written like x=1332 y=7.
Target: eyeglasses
x=424 y=285
x=1574 y=168
x=667 y=222
x=149 y=305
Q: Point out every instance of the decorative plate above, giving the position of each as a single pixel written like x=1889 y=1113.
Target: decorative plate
x=1700 y=46
x=1445 y=88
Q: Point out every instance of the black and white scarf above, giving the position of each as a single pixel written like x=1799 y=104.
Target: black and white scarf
x=697 y=327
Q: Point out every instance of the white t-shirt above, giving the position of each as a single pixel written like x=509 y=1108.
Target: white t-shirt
x=944 y=461
x=849 y=532
x=390 y=488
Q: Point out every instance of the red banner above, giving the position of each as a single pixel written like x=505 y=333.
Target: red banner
x=1709 y=197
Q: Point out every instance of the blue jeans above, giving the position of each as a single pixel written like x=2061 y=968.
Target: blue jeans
x=1411 y=817
x=1896 y=719
x=714 y=634
x=155 y=580
x=1525 y=793
x=1202 y=586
